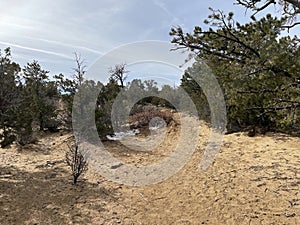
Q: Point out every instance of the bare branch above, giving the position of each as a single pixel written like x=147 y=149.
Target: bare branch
x=118 y=73
x=80 y=68
x=76 y=161
x=291 y=26
x=265 y=6
x=290 y=8
x=295 y=3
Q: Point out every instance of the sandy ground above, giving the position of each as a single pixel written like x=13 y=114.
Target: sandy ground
x=254 y=180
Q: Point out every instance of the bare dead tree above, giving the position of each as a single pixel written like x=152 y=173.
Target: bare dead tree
x=118 y=73
x=79 y=69
x=76 y=161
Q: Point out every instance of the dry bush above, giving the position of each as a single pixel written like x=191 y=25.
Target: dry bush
x=76 y=161
x=143 y=118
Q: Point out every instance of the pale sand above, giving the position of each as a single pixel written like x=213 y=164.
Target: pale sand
x=254 y=180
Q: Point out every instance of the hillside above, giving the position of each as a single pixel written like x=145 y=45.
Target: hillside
x=254 y=180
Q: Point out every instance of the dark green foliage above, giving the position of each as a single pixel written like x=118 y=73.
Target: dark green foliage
x=257 y=69
x=196 y=94
x=86 y=109
x=105 y=100
x=10 y=97
x=26 y=104
x=41 y=95
x=8 y=137
x=67 y=88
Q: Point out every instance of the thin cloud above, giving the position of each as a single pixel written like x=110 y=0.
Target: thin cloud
x=69 y=45
x=164 y=8
x=36 y=50
x=9 y=24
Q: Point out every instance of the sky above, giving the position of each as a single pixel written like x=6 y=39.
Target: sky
x=51 y=31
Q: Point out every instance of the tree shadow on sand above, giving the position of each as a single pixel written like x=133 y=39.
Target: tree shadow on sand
x=48 y=197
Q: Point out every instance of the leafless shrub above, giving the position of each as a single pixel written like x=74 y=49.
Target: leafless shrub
x=143 y=118
x=76 y=161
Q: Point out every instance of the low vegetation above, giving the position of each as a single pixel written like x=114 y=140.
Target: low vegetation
x=76 y=161
x=144 y=117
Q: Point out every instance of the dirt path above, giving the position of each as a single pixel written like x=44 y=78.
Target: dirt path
x=252 y=181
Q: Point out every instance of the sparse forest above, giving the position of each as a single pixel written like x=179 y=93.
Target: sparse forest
x=257 y=67
x=32 y=101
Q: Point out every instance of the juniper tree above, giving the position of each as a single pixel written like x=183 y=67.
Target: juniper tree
x=10 y=96
x=41 y=94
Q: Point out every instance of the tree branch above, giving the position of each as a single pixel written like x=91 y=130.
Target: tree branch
x=291 y=26
x=295 y=3
x=290 y=8
x=236 y=40
x=275 y=108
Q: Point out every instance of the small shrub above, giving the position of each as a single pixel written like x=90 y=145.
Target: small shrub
x=52 y=125
x=143 y=118
x=76 y=161
x=6 y=138
x=26 y=136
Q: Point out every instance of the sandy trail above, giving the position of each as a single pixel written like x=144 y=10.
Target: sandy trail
x=252 y=181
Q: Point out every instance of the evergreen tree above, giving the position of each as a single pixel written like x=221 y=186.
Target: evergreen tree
x=41 y=95
x=10 y=97
x=257 y=68
x=289 y=8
